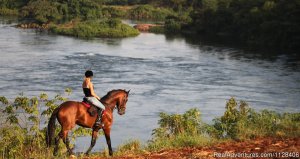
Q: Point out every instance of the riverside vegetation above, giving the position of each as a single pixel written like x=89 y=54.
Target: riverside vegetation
x=22 y=134
x=256 y=23
x=80 y=18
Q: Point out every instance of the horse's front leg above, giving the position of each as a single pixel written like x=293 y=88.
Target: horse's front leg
x=107 y=137
x=93 y=141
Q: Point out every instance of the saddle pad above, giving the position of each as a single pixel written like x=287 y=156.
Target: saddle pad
x=86 y=104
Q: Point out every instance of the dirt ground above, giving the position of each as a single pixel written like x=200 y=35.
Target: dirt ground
x=264 y=148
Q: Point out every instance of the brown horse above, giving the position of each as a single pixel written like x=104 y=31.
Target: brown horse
x=71 y=113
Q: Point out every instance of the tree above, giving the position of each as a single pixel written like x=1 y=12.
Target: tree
x=42 y=11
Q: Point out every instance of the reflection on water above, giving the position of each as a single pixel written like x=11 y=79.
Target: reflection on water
x=164 y=74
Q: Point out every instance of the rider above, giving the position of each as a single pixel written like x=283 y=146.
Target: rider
x=91 y=96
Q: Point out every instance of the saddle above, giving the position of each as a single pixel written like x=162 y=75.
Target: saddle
x=92 y=110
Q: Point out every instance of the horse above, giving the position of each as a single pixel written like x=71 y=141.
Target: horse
x=71 y=113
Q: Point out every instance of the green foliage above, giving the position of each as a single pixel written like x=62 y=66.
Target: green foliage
x=84 y=9
x=42 y=11
x=12 y=4
x=238 y=122
x=112 y=28
x=10 y=7
x=245 y=123
x=256 y=23
x=149 y=12
x=177 y=130
x=22 y=134
x=172 y=25
x=175 y=124
x=8 y=12
x=157 y=29
x=113 y=12
x=210 y=4
x=263 y=24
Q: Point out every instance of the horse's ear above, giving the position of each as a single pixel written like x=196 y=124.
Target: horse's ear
x=128 y=91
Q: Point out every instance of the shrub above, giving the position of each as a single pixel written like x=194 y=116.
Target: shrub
x=157 y=29
x=149 y=12
x=42 y=11
x=113 y=12
x=8 y=12
x=172 y=25
x=112 y=28
x=238 y=122
x=245 y=123
x=177 y=130
x=22 y=134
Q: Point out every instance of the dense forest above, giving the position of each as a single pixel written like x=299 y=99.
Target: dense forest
x=256 y=23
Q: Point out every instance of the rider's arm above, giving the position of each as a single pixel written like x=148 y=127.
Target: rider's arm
x=93 y=92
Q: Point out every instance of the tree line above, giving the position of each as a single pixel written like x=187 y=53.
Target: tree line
x=256 y=23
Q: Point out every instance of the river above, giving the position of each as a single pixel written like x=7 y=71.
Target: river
x=164 y=74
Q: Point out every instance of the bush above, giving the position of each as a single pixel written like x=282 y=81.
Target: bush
x=8 y=12
x=172 y=26
x=21 y=136
x=238 y=122
x=149 y=12
x=157 y=29
x=177 y=130
x=245 y=123
x=112 y=28
x=41 y=11
x=113 y=12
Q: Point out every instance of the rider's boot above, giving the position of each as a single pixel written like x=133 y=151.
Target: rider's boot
x=99 y=119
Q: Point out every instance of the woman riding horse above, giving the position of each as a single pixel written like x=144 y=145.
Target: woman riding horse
x=72 y=113
x=91 y=96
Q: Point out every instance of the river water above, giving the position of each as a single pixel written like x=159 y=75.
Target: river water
x=165 y=74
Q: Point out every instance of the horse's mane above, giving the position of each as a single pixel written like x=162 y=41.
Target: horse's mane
x=110 y=94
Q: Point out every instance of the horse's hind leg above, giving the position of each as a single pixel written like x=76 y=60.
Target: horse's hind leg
x=93 y=141
x=64 y=135
x=66 y=141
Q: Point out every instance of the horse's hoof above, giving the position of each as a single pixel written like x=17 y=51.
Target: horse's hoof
x=71 y=154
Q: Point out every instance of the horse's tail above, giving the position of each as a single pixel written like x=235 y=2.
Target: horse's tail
x=51 y=127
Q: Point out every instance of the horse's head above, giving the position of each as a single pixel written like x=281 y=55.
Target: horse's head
x=116 y=99
x=122 y=100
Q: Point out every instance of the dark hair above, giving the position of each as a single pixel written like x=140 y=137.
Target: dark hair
x=88 y=73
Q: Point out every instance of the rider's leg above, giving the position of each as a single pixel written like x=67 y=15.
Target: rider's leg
x=100 y=107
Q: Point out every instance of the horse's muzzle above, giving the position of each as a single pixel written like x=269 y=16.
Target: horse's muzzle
x=121 y=112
